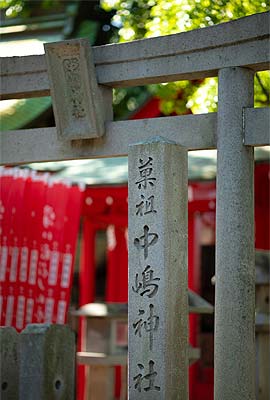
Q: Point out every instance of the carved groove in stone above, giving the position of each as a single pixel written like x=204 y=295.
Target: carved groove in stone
x=72 y=74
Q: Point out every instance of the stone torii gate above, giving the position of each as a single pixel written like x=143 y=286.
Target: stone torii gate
x=80 y=80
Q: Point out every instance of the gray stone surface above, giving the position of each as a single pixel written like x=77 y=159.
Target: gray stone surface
x=235 y=269
x=29 y=145
x=80 y=106
x=192 y=131
x=158 y=301
x=189 y=55
x=256 y=126
x=47 y=354
x=9 y=364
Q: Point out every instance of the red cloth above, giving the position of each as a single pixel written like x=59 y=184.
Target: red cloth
x=39 y=225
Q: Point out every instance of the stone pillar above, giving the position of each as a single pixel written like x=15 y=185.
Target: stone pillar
x=47 y=362
x=158 y=302
x=9 y=364
x=235 y=271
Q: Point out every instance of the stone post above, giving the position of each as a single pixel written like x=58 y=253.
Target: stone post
x=158 y=297
x=9 y=364
x=47 y=362
x=235 y=270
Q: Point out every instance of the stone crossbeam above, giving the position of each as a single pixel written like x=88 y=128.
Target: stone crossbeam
x=192 y=131
x=195 y=132
x=190 y=55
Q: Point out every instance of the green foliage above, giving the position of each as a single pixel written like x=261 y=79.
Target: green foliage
x=148 y=18
x=261 y=87
x=25 y=8
x=137 y=19
x=88 y=29
x=126 y=101
x=13 y=8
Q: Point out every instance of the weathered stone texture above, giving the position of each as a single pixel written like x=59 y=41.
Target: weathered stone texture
x=9 y=364
x=47 y=366
x=158 y=307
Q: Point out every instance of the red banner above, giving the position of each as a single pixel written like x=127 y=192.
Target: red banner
x=39 y=220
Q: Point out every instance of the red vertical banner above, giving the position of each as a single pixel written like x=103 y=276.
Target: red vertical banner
x=39 y=219
x=36 y=188
x=52 y=237
x=72 y=213
x=5 y=187
x=12 y=192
